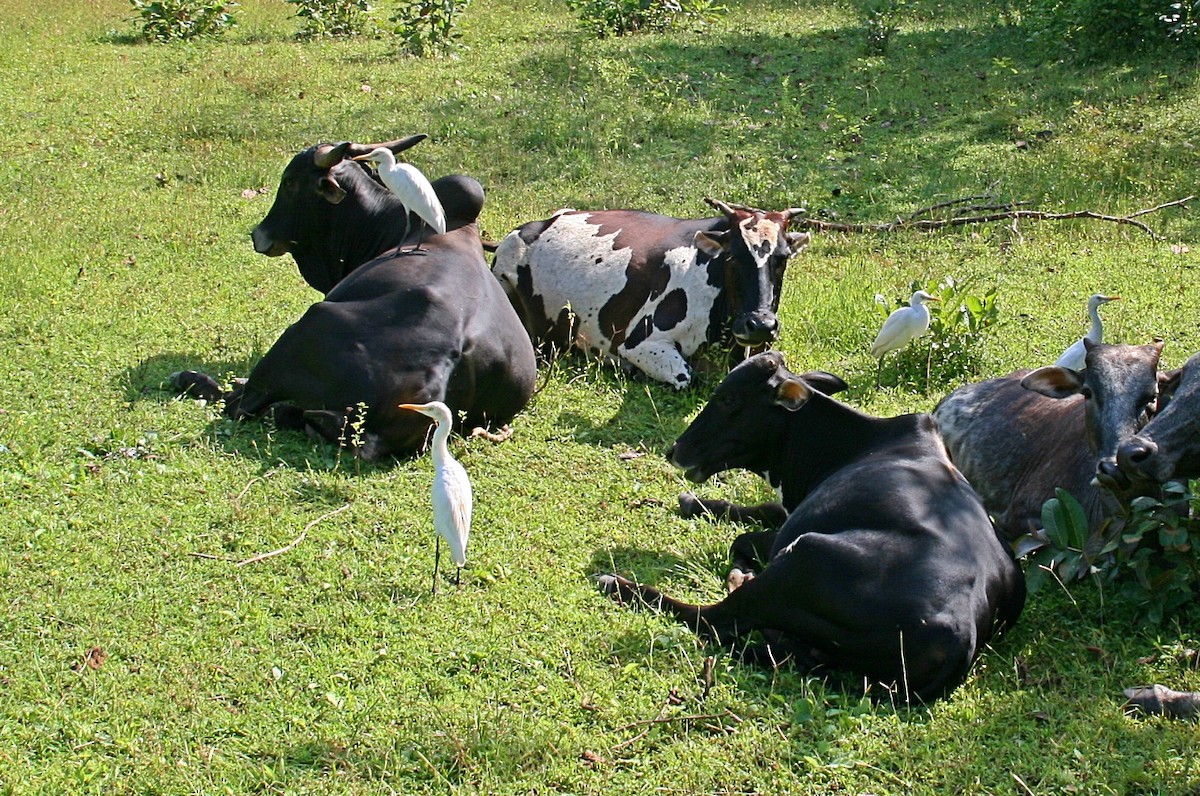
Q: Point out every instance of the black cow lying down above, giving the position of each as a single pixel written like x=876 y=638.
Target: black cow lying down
x=887 y=567
x=395 y=327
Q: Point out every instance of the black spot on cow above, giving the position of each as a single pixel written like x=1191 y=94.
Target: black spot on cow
x=671 y=310
x=639 y=332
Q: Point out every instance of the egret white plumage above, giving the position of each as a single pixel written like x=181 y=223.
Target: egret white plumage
x=1075 y=356
x=902 y=326
x=412 y=189
x=451 y=490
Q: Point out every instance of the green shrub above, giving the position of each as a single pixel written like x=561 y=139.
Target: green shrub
x=878 y=21
x=952 y=350
x=427 y=27
x=1145 y=551
x=171 y=20
x=331 y=18
x=618 y=17
x=1108 y=29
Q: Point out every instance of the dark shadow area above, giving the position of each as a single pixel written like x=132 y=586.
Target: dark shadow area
x=856 y=136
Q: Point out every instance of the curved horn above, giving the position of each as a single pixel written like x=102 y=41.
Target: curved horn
x=397 y=146
x=792 y=212
x=719 y=205
x=329 y=155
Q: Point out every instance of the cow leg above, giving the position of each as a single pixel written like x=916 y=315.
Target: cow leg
x=197 y=385
x=770 y=515
x=624 y=590
x=749 y=553
x=660 y=360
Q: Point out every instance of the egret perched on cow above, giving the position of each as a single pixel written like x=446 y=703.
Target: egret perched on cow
x=451 y=490
x=1074 y=357
x=902 y=326
x=412 y=189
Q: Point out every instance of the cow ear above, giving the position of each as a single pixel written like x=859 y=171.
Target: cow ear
x=792 y=394
x=329 y=189
x=712 y=243
x=823 y=382
x=1054 y=381
x=1168 y=383
x=798 y=241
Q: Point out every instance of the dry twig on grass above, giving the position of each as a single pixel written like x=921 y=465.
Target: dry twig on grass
x=982 y=213
x=294 y=542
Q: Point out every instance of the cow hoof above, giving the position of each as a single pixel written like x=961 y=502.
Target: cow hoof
x=616 y=587
x=690 y=506
x=737 y=578
x=197 y=385
x=1158 y=700
x=497 y=436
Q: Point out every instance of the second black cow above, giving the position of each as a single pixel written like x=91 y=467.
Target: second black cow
x=887 y=567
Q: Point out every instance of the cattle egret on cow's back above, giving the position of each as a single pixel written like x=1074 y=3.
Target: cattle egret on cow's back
x=412 y=189
x=451 y=490
x=1075 y=356
x=902 y=326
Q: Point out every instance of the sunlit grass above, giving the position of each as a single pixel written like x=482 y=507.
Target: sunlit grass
x=132 y=179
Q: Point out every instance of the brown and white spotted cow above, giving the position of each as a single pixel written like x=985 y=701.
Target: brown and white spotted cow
x=649 y=290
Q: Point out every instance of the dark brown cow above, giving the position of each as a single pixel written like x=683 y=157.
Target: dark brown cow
x=887 y=567
x=395 y=327
x=1018 y=437
x=649 y=290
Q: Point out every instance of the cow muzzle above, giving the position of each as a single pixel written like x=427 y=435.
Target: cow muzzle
x=694 y=473
x=268 y=245
x=1138 y=460
x=756 y=328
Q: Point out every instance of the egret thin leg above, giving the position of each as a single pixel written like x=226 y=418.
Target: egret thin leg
x=437 y=557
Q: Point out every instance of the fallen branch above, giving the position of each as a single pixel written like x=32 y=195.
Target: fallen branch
x=982 y=214
x=294 y=542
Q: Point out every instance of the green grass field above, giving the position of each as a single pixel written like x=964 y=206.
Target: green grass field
x=137 y=657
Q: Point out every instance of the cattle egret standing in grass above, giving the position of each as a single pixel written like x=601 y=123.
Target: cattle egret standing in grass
x=451 y=491
x=903 y=325
x=1075 y=356
x=411 y=188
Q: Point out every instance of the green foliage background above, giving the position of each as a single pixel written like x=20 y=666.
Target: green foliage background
x=132 y=178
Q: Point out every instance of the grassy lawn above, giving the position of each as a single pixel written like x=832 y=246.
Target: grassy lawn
x=136 y=656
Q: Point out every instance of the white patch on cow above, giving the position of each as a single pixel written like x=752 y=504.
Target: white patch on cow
x=573 y=266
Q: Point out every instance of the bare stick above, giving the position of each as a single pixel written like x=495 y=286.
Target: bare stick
x=982 y=216
x=294 y=542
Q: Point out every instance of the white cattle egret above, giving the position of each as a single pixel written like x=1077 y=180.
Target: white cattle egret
x=451 y=491
x=903 y=325
x=1075 y=357
x=412 y=189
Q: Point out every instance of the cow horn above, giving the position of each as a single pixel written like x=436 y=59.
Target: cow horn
x=329 y=155
x=792 y=212
x=719 y=205
x=397 y=146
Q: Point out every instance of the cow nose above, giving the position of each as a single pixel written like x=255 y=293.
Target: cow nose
x=1135 y=452
x=760 y=328
x=670 y=453
x=1110 y=476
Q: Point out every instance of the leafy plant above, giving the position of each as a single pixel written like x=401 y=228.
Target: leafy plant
x=428 y=26
x=952 y=350
x=1146 y=551
x=618 y=17
x=879 y=20
x=1107 y=29
x=171 y=20
x=332 y=18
